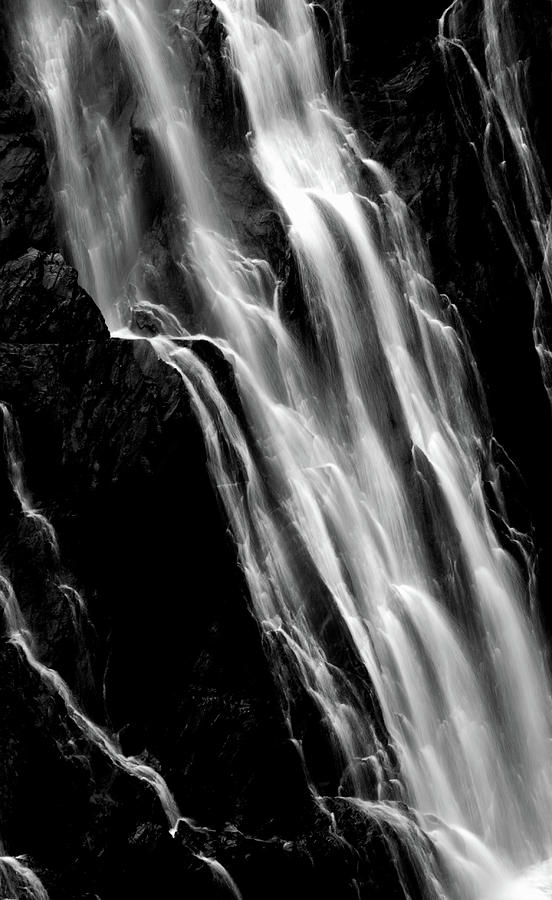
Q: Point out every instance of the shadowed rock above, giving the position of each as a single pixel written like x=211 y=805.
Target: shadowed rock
x=42 y=302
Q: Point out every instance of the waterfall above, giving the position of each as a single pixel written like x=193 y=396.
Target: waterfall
x=98 y=205
x=355 y=486
x=502 y=91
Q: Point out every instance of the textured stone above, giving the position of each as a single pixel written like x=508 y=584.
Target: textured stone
x=41 y=302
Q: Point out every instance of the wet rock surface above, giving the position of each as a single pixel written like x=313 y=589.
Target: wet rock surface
x=26 y=211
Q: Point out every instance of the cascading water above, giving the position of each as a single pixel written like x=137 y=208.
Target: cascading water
x=99 y=209
x=356 y=492
x=507 y=133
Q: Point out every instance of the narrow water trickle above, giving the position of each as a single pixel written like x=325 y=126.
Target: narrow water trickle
x=512 y=168
x=355 y=494
x=21 y=637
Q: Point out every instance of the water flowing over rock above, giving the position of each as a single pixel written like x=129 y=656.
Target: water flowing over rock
x=274 y=533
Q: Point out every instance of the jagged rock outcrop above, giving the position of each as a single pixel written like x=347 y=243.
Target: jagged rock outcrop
x=42 y=302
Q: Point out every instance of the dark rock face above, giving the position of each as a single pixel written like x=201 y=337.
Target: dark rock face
x=25 y=204
x=42 y=302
